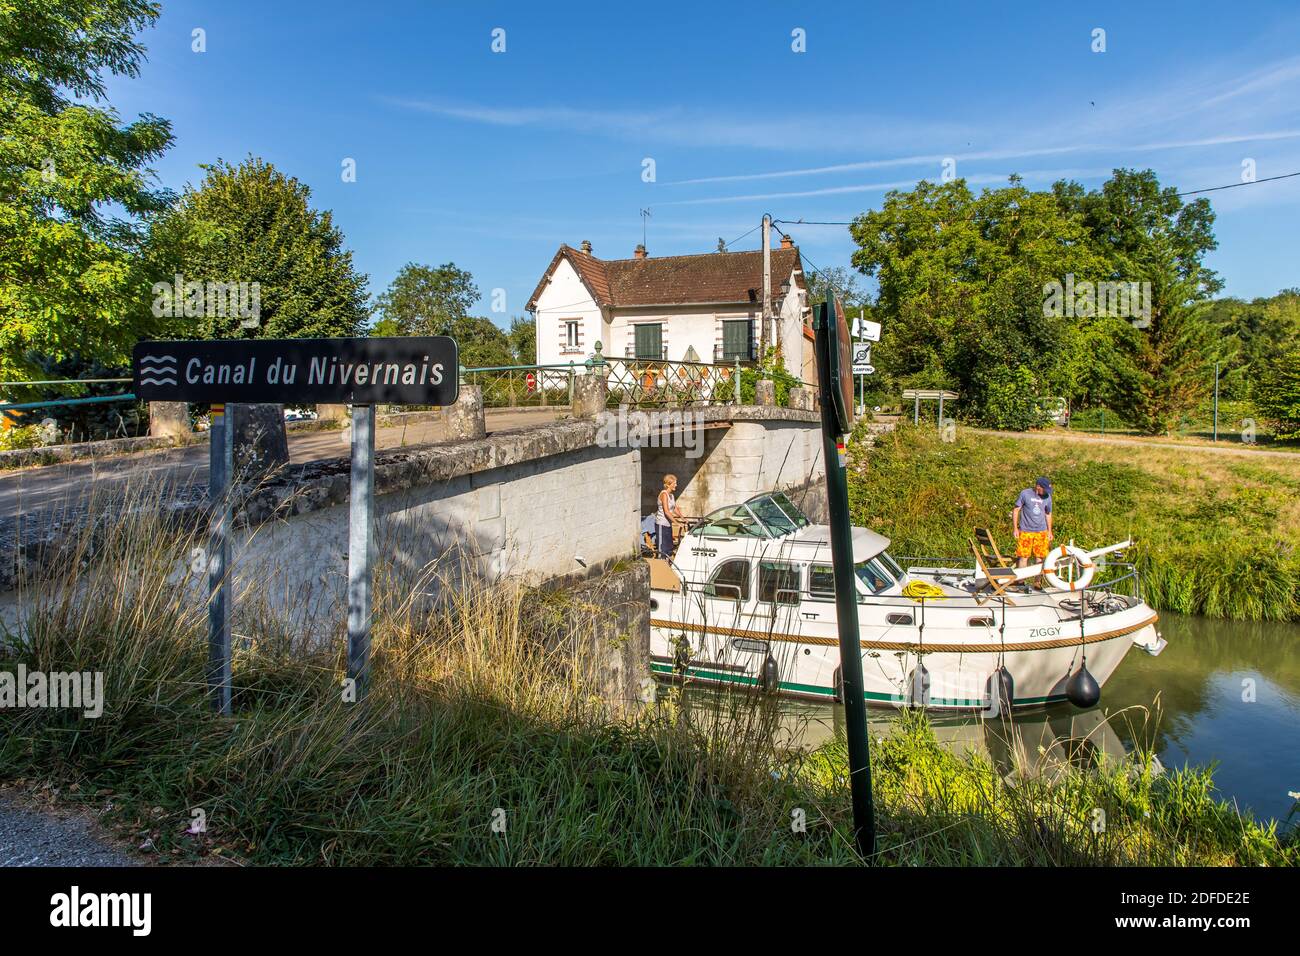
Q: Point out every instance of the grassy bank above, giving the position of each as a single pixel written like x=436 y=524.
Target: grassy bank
x=1214 y=534
x=482 y=742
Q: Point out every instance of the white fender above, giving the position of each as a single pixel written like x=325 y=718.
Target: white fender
x=1084 y=560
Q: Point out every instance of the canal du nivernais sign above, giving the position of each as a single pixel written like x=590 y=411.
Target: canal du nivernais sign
x=358 y=372
x=391 y=371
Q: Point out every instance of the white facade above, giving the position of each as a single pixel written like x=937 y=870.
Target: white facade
x=570 y=322
x=567 y=299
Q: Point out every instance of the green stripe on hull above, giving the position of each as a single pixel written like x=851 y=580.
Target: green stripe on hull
x=830 y=692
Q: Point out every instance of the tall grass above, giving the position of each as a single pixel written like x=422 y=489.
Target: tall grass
x=1214 y=534
x=483 y=740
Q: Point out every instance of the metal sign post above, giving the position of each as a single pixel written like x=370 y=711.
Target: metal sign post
x=361 y=543
x=220 y=465
x=835 y=378
x=361 y=372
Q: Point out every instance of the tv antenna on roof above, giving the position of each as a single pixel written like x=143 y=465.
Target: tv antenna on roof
x=645 y=214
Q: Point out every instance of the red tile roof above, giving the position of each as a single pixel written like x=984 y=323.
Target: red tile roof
x=723 y=277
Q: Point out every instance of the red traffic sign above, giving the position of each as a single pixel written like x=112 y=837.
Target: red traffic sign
x=531 y=379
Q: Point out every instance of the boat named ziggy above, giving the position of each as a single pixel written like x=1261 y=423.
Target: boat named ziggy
x=749 y=599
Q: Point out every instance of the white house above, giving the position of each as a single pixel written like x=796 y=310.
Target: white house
x=703 y=308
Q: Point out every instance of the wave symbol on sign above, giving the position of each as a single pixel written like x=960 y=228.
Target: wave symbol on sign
x=158 y=370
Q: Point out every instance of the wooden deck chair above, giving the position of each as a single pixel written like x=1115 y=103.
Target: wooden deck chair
x=987 y=547
x=999 y=577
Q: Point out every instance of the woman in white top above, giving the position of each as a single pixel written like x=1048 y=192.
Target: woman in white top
x=665 y=515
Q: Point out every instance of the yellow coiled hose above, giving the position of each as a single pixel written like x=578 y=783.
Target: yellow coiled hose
x=922 y=589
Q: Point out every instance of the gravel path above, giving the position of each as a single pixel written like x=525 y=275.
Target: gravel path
x=30 y=837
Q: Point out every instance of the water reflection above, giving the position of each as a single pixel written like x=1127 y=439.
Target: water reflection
x=1223 y=692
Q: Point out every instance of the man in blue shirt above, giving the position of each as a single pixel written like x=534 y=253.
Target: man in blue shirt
x=1032 y=522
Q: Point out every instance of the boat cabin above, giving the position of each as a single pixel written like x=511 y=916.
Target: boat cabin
x=768 y=547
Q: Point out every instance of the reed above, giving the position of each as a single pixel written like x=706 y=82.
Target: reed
x=483 y=742
x=1214 y=534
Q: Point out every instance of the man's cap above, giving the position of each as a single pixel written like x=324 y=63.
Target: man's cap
x=1045 y=483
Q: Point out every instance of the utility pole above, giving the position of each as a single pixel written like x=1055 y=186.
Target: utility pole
x=763 y=339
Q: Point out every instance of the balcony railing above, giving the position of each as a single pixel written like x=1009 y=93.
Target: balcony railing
x=726 y=356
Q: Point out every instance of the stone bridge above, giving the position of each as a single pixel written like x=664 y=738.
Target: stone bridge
x=553 y=503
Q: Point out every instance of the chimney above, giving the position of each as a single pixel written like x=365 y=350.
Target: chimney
x=638 y=252
x=586 y=247
x=786 y=242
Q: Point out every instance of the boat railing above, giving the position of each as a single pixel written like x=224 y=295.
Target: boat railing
x=1113 y=577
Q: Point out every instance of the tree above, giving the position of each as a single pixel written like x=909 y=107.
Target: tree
x=843 y=281
x=1250 y=336
x=523 y=340
x=245 y=256
x=423 y=300
x=1012 y=296
x=961 y=299
x=69 y=280
x=1278 y=395
x=1149 y=235
x=481 y=342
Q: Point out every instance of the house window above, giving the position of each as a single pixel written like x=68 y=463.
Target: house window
x=778 y=583
x=650 y=341
x=571 y=334
x=737 y=335
x=731 y=581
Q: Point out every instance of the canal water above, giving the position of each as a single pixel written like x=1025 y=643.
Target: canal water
x=1223 y=692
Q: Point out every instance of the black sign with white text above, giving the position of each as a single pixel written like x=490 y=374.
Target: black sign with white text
x=390 y=371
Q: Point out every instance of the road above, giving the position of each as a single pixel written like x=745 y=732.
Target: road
x=37 y=489
x=1224 y=447
x=33 y=837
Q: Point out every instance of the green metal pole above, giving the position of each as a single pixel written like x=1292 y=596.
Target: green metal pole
x=1216 y=401
x=846 y=600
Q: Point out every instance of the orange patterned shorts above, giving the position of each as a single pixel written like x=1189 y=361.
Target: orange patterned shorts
x=1032 y=544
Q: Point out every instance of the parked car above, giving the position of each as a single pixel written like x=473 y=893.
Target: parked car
x=1057 y=410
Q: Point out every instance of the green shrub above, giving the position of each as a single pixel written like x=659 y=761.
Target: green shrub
x=1011 y=400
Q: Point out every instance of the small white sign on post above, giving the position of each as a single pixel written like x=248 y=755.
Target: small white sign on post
x=864 y=370
x=866 y=329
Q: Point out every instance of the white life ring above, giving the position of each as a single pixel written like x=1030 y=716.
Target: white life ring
x=1080 y=558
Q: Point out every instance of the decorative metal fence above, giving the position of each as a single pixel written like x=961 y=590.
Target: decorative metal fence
x=650 y=382
x=525 y=386
x=633 y=382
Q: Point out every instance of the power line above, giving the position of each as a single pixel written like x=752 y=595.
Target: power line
x=1189 y=192
x=1249 y=182
x=741 y=236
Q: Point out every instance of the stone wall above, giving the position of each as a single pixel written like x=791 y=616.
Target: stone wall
x=552 y=520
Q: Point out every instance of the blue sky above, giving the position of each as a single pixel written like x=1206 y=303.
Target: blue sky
x=491 y=160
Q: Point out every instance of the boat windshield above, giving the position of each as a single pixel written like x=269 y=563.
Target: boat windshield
x=778 y=513
x=765 y=516
x=873 y=574
x=894 y=568
x=731 y=522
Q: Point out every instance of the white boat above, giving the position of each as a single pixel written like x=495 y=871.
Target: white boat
x=749 y=599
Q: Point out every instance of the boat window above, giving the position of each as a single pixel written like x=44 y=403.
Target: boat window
x=821 y=580
x=730 y=581
x=894 y=567
x=899 y=618
x=873 y=576
x=982 y=622
x=778 y=583
x=731 y=522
